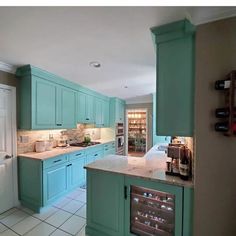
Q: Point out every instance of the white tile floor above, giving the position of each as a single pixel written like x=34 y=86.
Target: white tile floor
x=65 y=217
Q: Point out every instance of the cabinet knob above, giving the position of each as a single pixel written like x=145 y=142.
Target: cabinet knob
x=8 y=157
x=59 y=124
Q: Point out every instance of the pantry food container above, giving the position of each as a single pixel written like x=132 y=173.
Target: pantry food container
x=40 y=146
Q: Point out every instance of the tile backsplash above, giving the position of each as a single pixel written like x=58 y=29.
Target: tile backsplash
x=26 y=138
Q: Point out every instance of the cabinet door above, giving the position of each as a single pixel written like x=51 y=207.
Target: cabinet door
x=90 y=109
x=68 y=107
x=44 y=96
x=54 y=183
x=105 y=207
x=105 y=113
x=143 y=195
x=81 y=107
x=76 y=172
x=98 y=112
x=175 y=83
x=121 y=112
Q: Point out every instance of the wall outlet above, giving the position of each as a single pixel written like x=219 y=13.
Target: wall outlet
x=24 y=139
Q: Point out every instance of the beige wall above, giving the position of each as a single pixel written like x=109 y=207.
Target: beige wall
x=147 y=106
x=215 y=173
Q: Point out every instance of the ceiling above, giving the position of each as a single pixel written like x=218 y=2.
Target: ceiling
x=64 y=40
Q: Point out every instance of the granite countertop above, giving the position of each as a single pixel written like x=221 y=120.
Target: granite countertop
x=59 y=151
x=151 y=167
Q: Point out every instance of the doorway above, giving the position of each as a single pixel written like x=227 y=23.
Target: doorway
x=137 y=132
x=8 y=169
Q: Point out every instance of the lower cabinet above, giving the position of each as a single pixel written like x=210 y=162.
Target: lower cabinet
x=105 y=207
x=120 y=205
x=109 y=148
x=55 y=183
x=76 y=174
x=41 y=182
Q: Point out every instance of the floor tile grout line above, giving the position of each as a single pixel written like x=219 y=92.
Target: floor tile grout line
x=17 y=222
x=29 y=214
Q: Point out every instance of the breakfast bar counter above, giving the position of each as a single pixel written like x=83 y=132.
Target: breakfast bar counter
x=133 y=196
x=151 y=167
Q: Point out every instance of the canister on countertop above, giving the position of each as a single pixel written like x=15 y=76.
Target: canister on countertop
x=40 y=146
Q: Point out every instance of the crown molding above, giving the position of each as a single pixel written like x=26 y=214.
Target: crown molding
x=7 y=67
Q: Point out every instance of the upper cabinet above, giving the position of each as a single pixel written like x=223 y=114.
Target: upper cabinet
x=102 y=113
x=175 y=45
x=117 y=111
x=44 y=104
x=85 y=109
x=47 y=101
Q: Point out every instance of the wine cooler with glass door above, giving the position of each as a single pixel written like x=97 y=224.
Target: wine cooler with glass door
x=152 y=212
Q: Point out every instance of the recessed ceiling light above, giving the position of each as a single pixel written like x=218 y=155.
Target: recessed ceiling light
x=95 y=64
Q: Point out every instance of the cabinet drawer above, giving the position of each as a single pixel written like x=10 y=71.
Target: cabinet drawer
x=76 y=155
x=55 y=161
x=97 y=155
x=109 y=145
x=108 y=151
x=94 y=149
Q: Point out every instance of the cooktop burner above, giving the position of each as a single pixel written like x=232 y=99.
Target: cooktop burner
x=83 y=144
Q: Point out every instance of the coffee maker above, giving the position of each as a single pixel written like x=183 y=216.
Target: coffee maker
x=174 y=153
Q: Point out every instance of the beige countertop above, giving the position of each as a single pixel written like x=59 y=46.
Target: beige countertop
x=59 y=151
x=151 y=167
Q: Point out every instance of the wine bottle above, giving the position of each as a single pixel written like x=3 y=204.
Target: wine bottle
x=222 y=84
x=184 y=165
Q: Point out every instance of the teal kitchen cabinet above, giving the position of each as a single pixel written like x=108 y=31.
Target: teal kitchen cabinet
x=175 y=53
x=44 y=104
x=99 y=121
x=76 y=173
x=157 y=139
x=55 y=183
x=117 y=111
x=94 y=153
x=106 y=113
x=85 y=108
x=67 y=107
x=113 y=201
x=105 y=204
x=101 y=113
x=41 y=182
x=109 y=148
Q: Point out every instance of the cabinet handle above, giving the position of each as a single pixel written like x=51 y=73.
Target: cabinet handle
x=95 y=155
x=8 y=157
x=106 y=149
x=69 y=165
x=125 y=192
x=78 y=154
x=57 y=160
x=59 y=124
x=87 y=119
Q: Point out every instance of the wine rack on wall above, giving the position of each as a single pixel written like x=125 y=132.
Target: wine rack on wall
x=227 y=119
